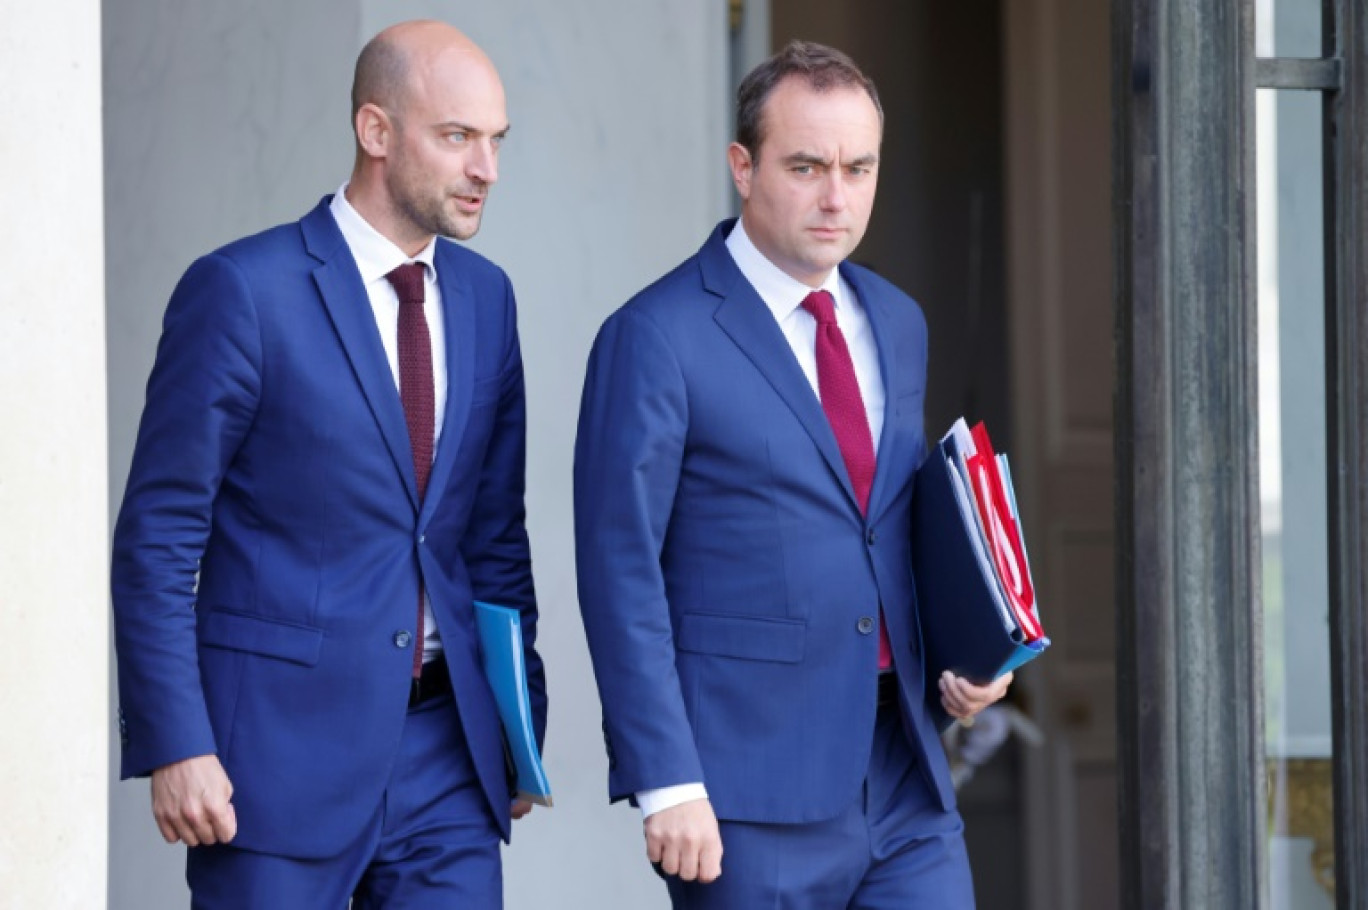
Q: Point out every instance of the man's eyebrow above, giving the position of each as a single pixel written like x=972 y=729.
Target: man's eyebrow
x=806 y=158
x=468 y=128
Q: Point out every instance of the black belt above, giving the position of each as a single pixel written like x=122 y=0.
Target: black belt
x=888 y=690
x=434 y=681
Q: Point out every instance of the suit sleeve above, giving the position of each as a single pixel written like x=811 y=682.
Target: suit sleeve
x=628 y=455
x=495 y=548
x=201 y=399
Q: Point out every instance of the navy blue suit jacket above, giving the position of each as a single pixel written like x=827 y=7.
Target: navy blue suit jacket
x=726 y=575
x=273 y=463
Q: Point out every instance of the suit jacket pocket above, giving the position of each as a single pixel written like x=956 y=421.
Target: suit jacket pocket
x=234 y=631
x=746 y=637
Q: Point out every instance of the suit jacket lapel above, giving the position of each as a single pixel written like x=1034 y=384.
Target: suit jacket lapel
x=749 y=323
x=339 y=284
x=458 y=324
x=881 y=324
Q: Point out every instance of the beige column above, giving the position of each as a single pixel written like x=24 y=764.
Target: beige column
x=54 y=620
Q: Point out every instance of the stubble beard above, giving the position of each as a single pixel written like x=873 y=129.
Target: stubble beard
x=432 y=217
x=427 y=211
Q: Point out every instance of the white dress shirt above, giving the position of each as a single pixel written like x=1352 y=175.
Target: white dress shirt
x=784 y=295
x=376 y=256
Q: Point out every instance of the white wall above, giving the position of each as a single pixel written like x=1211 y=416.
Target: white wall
x=53 y=619
x=222 y=119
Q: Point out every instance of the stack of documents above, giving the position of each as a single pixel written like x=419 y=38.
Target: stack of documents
x=979 y=616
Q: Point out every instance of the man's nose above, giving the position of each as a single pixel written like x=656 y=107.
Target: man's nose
x=483 y=163
x=833 y=192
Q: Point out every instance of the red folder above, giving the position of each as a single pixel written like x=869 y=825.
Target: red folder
x=1004 y=538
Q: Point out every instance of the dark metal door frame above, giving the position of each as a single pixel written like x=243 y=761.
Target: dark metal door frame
x=1189 y=662
x=1190 y=695
x=1346 y=213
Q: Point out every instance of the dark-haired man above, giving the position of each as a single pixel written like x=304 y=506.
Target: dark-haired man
x=743 y=472
x=328 y=472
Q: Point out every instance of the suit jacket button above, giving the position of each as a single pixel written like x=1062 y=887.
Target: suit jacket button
x=869 y=537
x=402 y=639
x=865 y=625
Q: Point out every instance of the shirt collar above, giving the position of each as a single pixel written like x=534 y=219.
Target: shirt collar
x=375 y=254
x=780 y=291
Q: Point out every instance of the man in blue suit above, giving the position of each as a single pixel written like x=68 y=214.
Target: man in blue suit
x=329 y=470
x=743 y=473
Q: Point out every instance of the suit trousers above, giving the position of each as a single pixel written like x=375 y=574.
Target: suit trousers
x=432 y=842
x=893 y=848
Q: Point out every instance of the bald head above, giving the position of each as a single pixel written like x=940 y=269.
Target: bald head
x=429 y=115
x=388 y=65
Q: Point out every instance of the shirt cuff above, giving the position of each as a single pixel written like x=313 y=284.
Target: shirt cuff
x=653 y=801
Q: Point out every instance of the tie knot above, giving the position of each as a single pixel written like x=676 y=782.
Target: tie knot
x=822 y=306
x=407 y=280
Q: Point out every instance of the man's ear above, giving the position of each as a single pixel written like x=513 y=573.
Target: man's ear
x=741 y=164
x=374 y=130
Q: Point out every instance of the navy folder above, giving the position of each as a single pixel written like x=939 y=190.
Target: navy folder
x=963 y=629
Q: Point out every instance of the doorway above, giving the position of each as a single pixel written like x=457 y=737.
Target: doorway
x=994 y=213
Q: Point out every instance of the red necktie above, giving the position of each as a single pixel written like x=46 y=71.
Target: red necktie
x=417 y=393
x=845 y=410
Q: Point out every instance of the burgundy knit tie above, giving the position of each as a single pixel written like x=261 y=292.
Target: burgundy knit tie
x=417 y=393
x=845 y=410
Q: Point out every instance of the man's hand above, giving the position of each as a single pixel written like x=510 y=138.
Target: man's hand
x=963 y=699
x=685 y=841
x=191 y=802
x=520 y=808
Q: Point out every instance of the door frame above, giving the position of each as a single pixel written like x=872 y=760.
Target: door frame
x=1190 y=700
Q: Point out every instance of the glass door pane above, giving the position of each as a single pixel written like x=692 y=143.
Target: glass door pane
x=1288 y=28
x=1292 y=474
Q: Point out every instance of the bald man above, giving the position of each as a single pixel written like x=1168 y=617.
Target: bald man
x=328 y=472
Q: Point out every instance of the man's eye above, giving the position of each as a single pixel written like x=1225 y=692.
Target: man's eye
x=497 y=141
x=456 y=137
x=802 y=169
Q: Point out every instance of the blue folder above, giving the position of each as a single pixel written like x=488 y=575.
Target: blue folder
x=501 y=641
x=963 y=629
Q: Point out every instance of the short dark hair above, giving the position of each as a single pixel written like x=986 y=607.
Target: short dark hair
x=822 y=68
x=381 y=71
